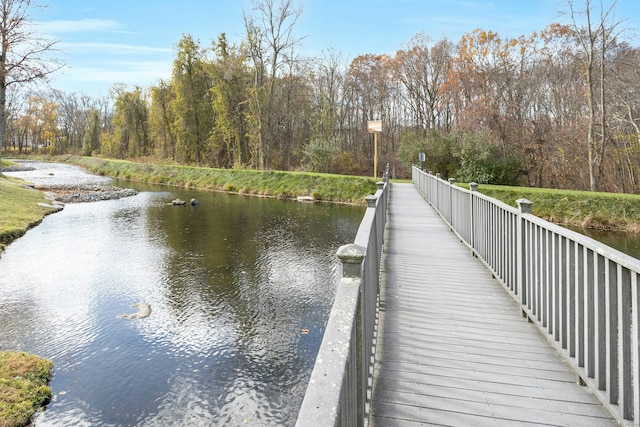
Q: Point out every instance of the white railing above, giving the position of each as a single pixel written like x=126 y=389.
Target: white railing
x=341 y=378
x=583 y=295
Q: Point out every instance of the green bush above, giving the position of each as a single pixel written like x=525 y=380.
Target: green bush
x=485 y=163
x=320 y=154
x=345 y=164
x=438 y=149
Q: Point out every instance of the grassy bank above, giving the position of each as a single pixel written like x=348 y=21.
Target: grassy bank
x=23 y=387
x=605 y=211
x=19 y=209
x=283 y=185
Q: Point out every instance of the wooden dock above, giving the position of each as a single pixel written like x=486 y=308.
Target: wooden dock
x=453 y=348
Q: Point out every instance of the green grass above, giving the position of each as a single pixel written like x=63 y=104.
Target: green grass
x=19 y=209
x=606 y=211
x=24 y=387
x=284 y=185
x=5 y=163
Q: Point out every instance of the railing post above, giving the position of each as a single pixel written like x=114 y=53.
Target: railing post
x=351 y=256
x=437 y=197
x=473 y=187
x=525 y=208
x=452 y=182
x=371 y=200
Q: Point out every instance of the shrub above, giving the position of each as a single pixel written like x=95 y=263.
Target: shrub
x=345 y=164
x=320 y=154
x=485 y=163
x=438 y=149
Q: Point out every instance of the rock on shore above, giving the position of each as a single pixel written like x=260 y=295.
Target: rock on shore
x=85 y=193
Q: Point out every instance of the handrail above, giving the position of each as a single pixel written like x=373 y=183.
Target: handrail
x=583 y=295
x=337 y=390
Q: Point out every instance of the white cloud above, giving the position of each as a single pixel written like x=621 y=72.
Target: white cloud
x=97 y=80
x=141 y=73
x=112 y=48
x=95 y=65
x=62 y=26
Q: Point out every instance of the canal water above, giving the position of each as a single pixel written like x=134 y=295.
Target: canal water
x=239 y=287
x=624 y=242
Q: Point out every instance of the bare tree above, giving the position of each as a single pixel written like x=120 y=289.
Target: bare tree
x=328 y=79
x=24 y=53
x=595 y=38
x=423 y=69
x=74 y=110
x=271 y=45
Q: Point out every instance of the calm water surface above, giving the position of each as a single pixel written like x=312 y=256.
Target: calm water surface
x=624 y=242
x=240 y=288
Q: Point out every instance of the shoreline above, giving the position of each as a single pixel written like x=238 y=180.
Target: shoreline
x=18 y=198
x=21 y=208
x=72 y=193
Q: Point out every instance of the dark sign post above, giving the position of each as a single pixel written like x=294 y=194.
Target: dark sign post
x=422 y=157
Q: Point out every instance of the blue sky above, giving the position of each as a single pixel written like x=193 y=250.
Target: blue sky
x=133 y=42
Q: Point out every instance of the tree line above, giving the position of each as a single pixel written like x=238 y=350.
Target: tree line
x=556 y=108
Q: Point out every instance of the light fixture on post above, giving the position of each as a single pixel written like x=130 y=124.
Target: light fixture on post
x=375 y=127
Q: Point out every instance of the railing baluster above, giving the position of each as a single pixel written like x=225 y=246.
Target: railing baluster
x=521 y=248
x=536 y=268
x=600 y=282
x=612 y=328
x=473 y=187
x=571 y=298
x=580 y=305
x=556 y=279
x=635 y=345
x=626 y=371
x=590 y=313
x=564 y=292
x=545 y=267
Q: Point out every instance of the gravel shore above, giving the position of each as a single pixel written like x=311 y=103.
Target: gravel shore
x=85 y=193
x=17 y=168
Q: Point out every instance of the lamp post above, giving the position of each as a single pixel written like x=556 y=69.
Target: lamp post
x=375 y=127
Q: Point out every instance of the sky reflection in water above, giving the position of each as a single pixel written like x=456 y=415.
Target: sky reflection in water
x=232 y=284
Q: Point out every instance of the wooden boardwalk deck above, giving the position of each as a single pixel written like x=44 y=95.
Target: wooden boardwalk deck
x=453 y=348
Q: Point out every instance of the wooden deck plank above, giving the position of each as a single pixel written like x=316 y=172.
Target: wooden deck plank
x=463 y=352
x=403 y=383
x=452 y=346
x=498 y=403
